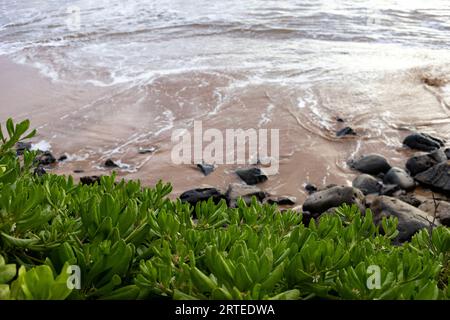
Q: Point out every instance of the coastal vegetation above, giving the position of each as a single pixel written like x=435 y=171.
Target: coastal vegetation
x=133 y=242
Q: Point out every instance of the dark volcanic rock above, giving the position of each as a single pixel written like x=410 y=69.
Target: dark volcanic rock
x=346 y=132
x=339 y=119
x=45 y=158
x=251 y=175
x=310 y=188
x=21 y=147
x=421 y=163
x=205 y=168
x=246 y=192
x=437 y=177
x=39 y=171
x=111 y=164
x=146 y=150
x=371 y=164
x=62 y=158
x=410 y=199
x=447 y=153
x=321 y=201
x=441 y=209
x=399 y=177
x=410 y=219
x=367 y=184
x=283 y=200
x=390 y=189
x=201 y=194
x=423 y=142
x=90 y=180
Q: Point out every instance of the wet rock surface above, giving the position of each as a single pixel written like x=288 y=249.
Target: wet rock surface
x=45 y=158
x=251 y=176
x=246 y=192
x=206 y=169
x=371 y=164
x=410 y=219
x=282 y=200
x=347 y=131
x=90 y=180
x=421 y=163
x=423 y=142
x=400 y=177
x=111 y=164
x=22 y=146
x=321 y=201
x=367 y=184
x=201 y=194
x=437 y=177
x=439 y=208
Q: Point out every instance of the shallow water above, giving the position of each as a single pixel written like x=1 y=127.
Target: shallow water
x=132 y=72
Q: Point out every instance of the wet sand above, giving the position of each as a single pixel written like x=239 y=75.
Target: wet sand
x=92 y=124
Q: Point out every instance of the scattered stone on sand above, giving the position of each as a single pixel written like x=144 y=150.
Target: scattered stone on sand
x=367 y=184
x=39 y=171
x=310 y=188
x=45 y=158
x=323 y=200
x=391 y=190
x=347 y=131
x=399 y=177
x=282 y=200
x=437 y=177
x=22 y=146
x=143 y=150
x=410 y=219
x=441 y=209
x=423 y=142
x=62 y=158
x=246 y=192
x=78 y=171
x=90 y=180
x=371 y=164
x=206 y=169
x=201 y=194
x=251 y=176
x=111 y=164
x=421 y=163
x=339 y=119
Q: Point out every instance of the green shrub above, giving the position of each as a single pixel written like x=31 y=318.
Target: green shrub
x=132 y=242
